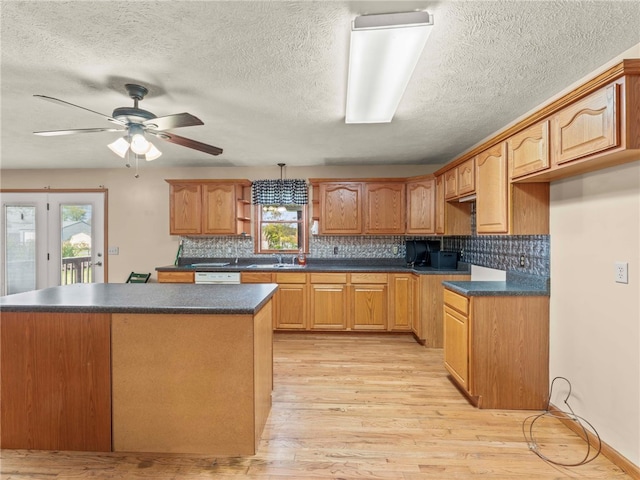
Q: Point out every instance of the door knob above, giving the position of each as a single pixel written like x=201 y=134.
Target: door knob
x=98 y=264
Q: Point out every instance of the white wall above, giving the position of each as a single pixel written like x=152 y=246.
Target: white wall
x=138 y=209
x=595 y=322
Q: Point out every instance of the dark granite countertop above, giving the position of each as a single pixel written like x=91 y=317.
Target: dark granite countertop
x=315 y=265
x=516 y=284
x=143 y=298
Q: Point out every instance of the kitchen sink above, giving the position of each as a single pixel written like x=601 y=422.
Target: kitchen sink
x=285 y=266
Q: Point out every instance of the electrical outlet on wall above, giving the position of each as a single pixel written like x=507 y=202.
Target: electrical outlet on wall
x=622 y=274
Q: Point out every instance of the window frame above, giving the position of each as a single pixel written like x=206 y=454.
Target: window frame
x=303 y=230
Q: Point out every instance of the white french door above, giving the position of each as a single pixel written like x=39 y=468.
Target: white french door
x=49 y=239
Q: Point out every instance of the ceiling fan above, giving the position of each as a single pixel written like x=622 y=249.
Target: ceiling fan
x=135 y=123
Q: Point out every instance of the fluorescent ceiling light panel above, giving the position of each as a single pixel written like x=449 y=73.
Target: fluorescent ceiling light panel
x=384 y=51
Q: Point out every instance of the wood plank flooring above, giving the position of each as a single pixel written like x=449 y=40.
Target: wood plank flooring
x=352 y=406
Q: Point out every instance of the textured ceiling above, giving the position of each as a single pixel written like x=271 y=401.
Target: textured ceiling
x=268 y=78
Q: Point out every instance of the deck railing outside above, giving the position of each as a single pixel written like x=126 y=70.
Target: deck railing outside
x=76 y=270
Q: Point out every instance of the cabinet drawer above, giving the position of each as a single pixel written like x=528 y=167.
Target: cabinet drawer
x=176 y=277
x=456 y=301
x=340 y=278
x=255 y=277
x=368 y=278
x=291 y=277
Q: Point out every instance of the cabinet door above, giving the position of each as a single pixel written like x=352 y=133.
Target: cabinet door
x=384 y=210
x=328 y=307
x=219 y=209
x=450 y=183
x=586 y=127
x=291 y=307
x=466 y=177
x=369 y=307
x=440 y=205
x=401 y=304
x=185 y=209
x=528 y=151
x=421 y=207
x=456 y=346
x=341 y=208
x=491 y=190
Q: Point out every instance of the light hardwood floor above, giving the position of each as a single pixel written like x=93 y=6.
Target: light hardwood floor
x=352 y=407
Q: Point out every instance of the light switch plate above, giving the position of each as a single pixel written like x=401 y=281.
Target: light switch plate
x=113 y=250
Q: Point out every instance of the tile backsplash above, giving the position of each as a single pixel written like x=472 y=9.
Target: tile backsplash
x=495 y=251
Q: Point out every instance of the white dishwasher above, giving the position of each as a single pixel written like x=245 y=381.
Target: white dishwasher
x=218 y=278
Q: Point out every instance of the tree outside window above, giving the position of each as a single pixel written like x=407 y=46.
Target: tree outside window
x=281 y=228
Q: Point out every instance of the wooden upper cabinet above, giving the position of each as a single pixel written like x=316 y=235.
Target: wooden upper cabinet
x=588 y=126
x=528 y=150
x=349 y=207
x=491 y=189
x=421 y=206
x=209 y=207
x=440 y=205
x=185 y=207
x=460 y=180
x=341 y=208
x=450 y=183
x=219 y=209
x=466 y=177
x=384 y=208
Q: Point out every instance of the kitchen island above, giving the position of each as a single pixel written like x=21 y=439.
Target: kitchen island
x=137 y=368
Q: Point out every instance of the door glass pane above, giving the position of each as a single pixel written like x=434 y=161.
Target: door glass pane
x=20 y=250
x=76 y=234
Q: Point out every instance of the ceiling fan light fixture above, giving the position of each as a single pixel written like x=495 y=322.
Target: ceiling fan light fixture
x=383 y=53
x=139 y=144
x=119 y=147
x=153 y=153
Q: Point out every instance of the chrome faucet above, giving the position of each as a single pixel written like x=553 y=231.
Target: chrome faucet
x=278 y=257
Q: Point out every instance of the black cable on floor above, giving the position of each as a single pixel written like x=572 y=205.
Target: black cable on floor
x=562 y=415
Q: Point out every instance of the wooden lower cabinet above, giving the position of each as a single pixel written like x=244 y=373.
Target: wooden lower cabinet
x=291 y=301
x=428 y=318
x=456 y=339
x=497 y=351
x=363 y=301
x=368 y=301
x=329 y=308
x=401 y=303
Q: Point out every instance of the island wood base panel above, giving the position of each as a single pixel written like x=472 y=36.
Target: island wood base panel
x=191 y=383
x=55 y=381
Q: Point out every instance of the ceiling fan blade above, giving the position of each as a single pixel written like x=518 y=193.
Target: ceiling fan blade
x=53 y=133
x=187 y=142
x=173 y=121
x=62 y=102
